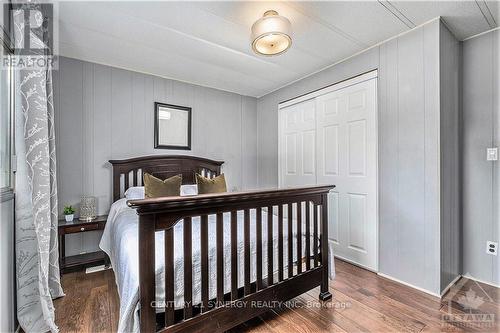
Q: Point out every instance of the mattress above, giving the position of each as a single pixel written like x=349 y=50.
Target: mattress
x=120 y=242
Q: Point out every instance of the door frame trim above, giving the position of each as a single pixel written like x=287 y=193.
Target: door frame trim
x=331 y=88
x=335 y=86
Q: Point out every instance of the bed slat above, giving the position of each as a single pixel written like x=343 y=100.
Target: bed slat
x=169 y=277
x=147 y=271
x=116 y=186
x=290 y=240
x=220 y=258
x=134 y=178
x=258 y=227
x=188 y=269
x=325 y=294
x=315 y=235
x=234 y=255
x=299 y=237
x=246 y=241
x=308 y=235
x=204 y=263
x=126 y=178
x=270 y=246
x=280 y=243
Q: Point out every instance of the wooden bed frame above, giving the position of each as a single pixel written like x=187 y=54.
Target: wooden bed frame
x=241 y=304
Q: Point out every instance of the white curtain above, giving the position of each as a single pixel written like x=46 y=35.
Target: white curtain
x=36 y=197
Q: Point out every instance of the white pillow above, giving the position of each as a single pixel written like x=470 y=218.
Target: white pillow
x=187 y=190
x=135 y=193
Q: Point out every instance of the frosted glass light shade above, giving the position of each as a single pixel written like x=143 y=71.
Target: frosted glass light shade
x=271 y=34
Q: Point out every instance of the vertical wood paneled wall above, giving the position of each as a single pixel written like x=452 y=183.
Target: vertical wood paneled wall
x=105 y=113
x=409 y=148
x=450 y=156
x=481 y=178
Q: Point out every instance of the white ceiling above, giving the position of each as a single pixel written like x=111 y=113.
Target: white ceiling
x=207 y=43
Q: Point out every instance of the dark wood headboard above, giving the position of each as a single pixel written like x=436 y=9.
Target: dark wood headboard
x=161 y=166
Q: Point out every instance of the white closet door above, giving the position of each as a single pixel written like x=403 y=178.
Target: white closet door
x=347 y=158
x=298 y=144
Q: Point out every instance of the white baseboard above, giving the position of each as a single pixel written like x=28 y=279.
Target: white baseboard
x=467 y=276
x=409 y=285
x=94 y=269
x=355 y=263
x=458 y=277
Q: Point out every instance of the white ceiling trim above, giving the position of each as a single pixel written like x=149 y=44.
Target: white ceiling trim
x=352 y=56
x=449 y=29
x=145 y=46
x=477 y=7
x=480 y=34
x=103 y=63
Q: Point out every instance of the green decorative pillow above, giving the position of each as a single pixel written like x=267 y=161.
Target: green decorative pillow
x=211 y=185
x=155 y=187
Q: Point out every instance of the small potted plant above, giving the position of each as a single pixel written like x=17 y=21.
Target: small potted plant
x=69 y=212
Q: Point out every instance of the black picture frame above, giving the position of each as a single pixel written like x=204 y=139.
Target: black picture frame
x=157 y=144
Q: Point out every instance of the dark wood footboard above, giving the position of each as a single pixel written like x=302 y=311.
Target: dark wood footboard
x=255 y=297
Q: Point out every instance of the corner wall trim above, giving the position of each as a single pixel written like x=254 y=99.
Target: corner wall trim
x=445 y=290
x=409 y=285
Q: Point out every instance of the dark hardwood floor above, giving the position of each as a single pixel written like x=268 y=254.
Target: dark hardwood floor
x=363 y=302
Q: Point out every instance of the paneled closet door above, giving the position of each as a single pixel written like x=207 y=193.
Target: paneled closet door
x=298 y=144
x=347 y=158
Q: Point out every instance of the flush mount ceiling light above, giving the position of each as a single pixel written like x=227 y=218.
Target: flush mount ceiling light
x=271 y=34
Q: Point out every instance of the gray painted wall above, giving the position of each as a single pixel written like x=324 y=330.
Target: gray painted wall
x=7 y=284
x=106 y=113
x=450 y=156
x=409 y=155
x=409 y=158
x=481 y=179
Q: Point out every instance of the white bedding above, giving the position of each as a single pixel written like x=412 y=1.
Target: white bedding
x=120 y=242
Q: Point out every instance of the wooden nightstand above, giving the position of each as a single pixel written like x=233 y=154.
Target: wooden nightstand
x=81 y=260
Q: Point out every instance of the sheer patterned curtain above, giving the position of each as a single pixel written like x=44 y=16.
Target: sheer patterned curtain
x=36 y=195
